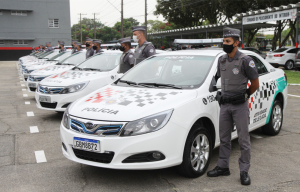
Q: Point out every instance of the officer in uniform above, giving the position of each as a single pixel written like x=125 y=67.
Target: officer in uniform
x=78 y=47
x=40 y=49
x=61 y=46
x=89 y=48
x=74 y=48
x=97 y=46
x=127 y=58
x=235 y=69
x=49 y=48
x=144 y=49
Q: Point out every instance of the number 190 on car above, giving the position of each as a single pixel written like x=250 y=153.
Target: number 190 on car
x=86 y=144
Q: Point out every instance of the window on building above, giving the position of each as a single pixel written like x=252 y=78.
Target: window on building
x=1 y=42
x=53 y=23
x=20 y=42
x=19 y=13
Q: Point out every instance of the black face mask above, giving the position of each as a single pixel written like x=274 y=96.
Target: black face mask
x=94 y=47
x=87 y=45
x=122 y=48
x=72 y=46
x=228 y=48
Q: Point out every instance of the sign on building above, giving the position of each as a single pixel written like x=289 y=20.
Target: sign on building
x=273 y=16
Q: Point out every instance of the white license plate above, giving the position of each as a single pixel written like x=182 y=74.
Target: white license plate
x=32 y=85
x=46 y=99
x=86 y=144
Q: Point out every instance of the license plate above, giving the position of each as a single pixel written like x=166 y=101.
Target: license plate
x=46 y=99
x=32 y=85
x=270 y=56
x=86 y=144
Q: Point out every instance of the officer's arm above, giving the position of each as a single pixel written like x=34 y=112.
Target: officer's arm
x=254 y=85
x=131 y=60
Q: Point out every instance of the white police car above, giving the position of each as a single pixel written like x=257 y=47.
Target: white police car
x=64 y=64
x=57 y=91
x=163 y=113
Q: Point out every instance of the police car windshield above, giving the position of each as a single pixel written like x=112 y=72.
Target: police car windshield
x=74 y=59
x=186 y=72
x=102 y=62
x=58 y=56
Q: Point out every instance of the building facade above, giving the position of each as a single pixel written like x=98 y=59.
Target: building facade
x=28 y=23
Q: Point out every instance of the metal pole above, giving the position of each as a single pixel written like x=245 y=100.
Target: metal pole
x=146 y=18
x=206 y=34
x=242 y=34
x=279 y=33
x=94 y=26
x=75 y=32
x=80 y=30
x=122 y=35
x=297 y=31
x=181 y=35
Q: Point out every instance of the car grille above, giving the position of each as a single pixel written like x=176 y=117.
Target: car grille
x=98 y=129
x=35 y=79
x=49 y=90
x=48 y=105
x=32 y=88
x=96 y=157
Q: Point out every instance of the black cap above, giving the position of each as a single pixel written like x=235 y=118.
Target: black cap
x=138 y=28
x=231 y=32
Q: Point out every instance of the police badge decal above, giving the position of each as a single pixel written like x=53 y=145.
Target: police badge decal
x=235 y=71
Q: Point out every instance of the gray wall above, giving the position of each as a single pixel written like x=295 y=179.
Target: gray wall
x=35 y=24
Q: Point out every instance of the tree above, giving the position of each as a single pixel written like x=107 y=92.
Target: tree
x=127 y=24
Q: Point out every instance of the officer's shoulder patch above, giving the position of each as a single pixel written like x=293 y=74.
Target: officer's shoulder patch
x=252 y=64
x=130 y=56
x=151 y=50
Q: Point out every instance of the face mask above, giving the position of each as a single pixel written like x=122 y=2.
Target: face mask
x=135 y=39
x=87 y=45
x=94 y=47
x=228 y=48
x=122 y=48
x=72 y=46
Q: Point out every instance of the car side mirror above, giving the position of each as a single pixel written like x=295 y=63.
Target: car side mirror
x=218 y=85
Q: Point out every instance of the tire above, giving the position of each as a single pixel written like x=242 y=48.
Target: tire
x=289 y=65
x=201 y=157
x=275 y=122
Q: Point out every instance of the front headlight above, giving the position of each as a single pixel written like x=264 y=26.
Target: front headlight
x=73 y=88
x=148 y=124
x=66 y=119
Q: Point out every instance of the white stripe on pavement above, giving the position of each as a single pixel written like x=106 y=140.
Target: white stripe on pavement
x=34 y=129
x=25 y=95
x=255 y=136
x=293 y=95
x=30 y=114
x=27 y=102
x=24 y=89
x=40 y=156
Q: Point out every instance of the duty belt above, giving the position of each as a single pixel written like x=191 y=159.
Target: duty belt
x=237 y=99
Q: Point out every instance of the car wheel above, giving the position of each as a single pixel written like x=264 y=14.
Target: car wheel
x=289 y=65
x=197 y=153
x=275 y=122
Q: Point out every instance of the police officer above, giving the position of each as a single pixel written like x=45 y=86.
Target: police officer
x=62 y=46
x=97 y=46
x=127 y=58
x=144 y=49
x=49 y=48
x=74 y=47
x=78 y=47
x=89 y=48
x=235 y=69
x=40 y=49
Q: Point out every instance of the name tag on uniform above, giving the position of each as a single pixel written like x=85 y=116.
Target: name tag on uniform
x=223 y=69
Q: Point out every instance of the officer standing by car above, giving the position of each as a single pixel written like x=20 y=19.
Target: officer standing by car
x=97 y=46
x=235 y=69
x=127 y=58
x=49 y=48
x=89 y=48
x=78 y=47
x=74 y=47
x=144 y=49
x=62 y=46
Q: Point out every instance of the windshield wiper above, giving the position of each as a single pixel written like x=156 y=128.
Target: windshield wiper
x=77 y=68
x=67 y=64
x=92 y=69
x=161 y=85
x=128 y=82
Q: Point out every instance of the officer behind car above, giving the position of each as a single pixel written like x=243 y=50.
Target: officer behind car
x=235 y=69
x=49 y=48
x=78 y=47
x=96 y=47
x=89 y=48
x=127 y=58
x=144 y=49
x=61 y=46
x=74 y=47
x=40 y=49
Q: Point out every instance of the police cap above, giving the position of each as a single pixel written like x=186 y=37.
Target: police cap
x=74 y=40
x=61 y=42
x=231 y=32
x=48 y=43
x=138 y=28
x=125 y=40
x=89 y=39
x=97 y=41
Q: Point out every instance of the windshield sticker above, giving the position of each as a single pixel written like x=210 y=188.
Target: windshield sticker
x=73 y=75
x=138 y=97
x=97 y=110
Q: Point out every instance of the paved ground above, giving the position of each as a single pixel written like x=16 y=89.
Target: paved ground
x=275 y=160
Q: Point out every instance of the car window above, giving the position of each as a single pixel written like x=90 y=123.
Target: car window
x=74 y=59
x=104 y=61
x=261 y=68
x=292 y=51
x=280 y=50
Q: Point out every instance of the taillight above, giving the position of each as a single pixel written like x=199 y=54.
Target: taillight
x=285 y=77
x=278 y=55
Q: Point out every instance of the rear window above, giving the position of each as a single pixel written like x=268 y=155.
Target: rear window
x=280 y=50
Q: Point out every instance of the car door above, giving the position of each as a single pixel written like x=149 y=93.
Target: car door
x=260 y=101
x=291 y=54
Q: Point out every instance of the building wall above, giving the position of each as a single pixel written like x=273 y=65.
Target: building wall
x=34 y=27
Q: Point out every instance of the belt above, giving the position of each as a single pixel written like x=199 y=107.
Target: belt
x=237 y=99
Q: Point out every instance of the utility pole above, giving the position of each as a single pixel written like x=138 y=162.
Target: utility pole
x=95 y=24
x=122 y=35
x=145 y=18
x=75 y=32
x=81 y=27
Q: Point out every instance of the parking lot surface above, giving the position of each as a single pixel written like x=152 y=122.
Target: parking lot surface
x=31 y=157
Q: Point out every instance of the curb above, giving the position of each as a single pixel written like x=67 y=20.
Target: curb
x=293 y=84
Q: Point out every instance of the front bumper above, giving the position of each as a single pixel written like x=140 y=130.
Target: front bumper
x=170 y=141
x=32 y=85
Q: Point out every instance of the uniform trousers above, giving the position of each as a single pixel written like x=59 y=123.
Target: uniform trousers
x=238 y=114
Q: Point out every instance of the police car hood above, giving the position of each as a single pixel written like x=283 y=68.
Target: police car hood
x=72 y=77
x=41 y=65
x=114 y=103
x=34 y=62
x=50 y=70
